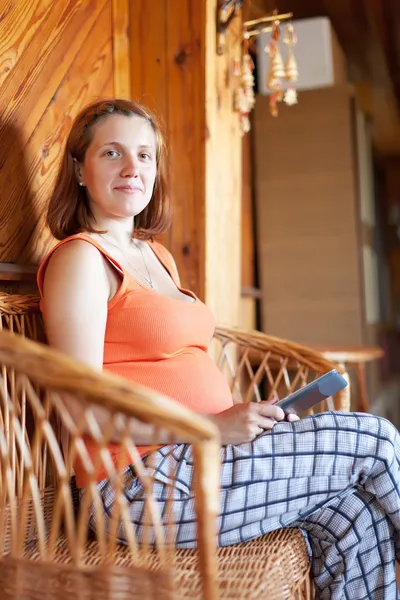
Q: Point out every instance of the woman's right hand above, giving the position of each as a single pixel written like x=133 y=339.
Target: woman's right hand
x=244 y=422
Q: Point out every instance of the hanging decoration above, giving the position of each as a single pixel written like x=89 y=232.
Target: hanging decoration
x=291 y=70
x=244 y=95
x=279 y=72
x=276 y=70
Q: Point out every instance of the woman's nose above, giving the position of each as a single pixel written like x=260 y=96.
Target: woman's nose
x=130 y=168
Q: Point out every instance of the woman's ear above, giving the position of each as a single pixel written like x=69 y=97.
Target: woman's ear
x=78 y=172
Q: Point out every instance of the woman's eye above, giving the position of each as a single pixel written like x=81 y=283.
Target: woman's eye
x=145 y=155
x=111 y=153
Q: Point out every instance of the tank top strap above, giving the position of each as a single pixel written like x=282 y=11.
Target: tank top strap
x=166 y=259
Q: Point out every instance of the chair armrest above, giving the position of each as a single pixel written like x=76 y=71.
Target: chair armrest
x=38 y=378
x=260 y=366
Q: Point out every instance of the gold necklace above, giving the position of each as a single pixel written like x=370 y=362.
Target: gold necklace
x=147 y=279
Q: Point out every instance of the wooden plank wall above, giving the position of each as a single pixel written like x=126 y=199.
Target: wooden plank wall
x=223 y=199
x=308 y=220
x=250 y=294
x=54 y=58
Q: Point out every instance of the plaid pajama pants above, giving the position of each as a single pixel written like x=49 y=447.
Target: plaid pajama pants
x=334 y=475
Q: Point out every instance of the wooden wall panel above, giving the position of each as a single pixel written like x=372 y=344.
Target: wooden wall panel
x=186 y=130
x=248 y=302
x=248 y=242
x=308 y=220
x=121 y=48
x=55 y=58
x=20 y=23
x=223 y=206
x=148 y=52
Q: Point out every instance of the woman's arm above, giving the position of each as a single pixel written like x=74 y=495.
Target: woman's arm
x=76 y=291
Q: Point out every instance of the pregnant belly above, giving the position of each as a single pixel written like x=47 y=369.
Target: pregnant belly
x=191 y=378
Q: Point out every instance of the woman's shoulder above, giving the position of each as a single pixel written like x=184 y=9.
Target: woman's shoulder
x=75 y=249
x=76 y=255
x=71 y=249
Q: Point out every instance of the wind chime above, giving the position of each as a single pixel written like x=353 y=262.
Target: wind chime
x=278 y=69
x=244 y=96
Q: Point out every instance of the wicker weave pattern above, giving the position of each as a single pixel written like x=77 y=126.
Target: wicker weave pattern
x=277 y=563
x=14 y=304
x=32 y=518
x=262 y=367
x=48 y=581
x=46 y=548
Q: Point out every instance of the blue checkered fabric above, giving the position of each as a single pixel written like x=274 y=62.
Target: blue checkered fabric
x=334 y=475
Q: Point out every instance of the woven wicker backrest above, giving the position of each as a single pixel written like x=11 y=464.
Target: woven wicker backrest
x=262 y=367
x=21 y=314
x=36 y=498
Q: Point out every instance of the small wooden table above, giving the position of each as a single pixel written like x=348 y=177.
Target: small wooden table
x=355 y=357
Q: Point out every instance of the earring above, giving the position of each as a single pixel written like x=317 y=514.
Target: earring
x=81 y=183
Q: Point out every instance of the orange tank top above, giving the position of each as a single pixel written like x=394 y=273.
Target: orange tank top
x=156 y=341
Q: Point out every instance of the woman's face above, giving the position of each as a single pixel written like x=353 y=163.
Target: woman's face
x=119 y=169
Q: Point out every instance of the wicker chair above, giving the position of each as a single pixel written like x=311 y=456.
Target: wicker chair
x=47 y=549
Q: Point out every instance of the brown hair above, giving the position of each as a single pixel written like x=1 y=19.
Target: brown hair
x=69 y=210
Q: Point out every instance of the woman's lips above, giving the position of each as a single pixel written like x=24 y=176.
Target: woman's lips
x=127 y=189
